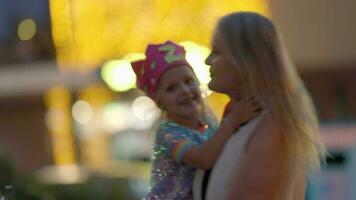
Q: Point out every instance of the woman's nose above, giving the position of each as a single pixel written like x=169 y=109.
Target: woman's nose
x=207 y=60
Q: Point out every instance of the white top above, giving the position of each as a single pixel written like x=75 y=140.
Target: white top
x=224 y=167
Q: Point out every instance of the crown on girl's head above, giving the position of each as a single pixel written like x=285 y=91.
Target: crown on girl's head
x=159 y=58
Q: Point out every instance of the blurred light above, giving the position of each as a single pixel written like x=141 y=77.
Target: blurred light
x=58 y=119
x=196 y=55
x=205 y=91
x=145 y=109
x=118 y=27
x=339 y=136
x=131 y=145
x=139 y=186
x=119 y=75
x=95 y=151
x=63 y=174
x=58 y=97
x=26 y=29
x=94 y=140
x=82 y=112
x=55 y=118
x=130 y=168
x=217 y=102
x=116 y=117
x=134 y=57
x=8 y=187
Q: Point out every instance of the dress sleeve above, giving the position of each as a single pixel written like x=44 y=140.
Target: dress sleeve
x=213 y=126
x=175 y=143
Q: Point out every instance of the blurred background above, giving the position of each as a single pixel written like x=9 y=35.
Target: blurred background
x=72 y=124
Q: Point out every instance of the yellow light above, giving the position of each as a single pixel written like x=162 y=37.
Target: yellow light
x=217 y=103
x=96 y=95
x=119 y=75
x=58 y=100
x=85 y=40
x=55 y=118
x=94 y=141
x=26 y=29
x=134 y=57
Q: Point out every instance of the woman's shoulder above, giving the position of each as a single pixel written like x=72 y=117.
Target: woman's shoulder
x=268 y=134
x=271 y=125
x=266 y=158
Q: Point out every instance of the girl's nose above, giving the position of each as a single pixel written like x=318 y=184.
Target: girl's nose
x=184 y=88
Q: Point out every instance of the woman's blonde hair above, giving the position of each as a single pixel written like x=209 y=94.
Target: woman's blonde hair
x=260 y=59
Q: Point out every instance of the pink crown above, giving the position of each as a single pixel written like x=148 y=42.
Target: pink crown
x=159 y=58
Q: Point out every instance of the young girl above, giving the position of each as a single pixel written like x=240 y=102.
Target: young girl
x=189 y=138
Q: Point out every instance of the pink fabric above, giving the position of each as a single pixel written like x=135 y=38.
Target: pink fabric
x=159 y=58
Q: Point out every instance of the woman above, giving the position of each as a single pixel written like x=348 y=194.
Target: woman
x=271 y=156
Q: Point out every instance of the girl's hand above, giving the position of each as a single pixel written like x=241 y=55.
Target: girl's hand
x=241 y=112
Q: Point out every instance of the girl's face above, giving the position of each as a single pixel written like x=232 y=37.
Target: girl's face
x=178 y=93
x=224 y=78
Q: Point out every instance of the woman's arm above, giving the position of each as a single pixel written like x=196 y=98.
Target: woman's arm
x=261 y=173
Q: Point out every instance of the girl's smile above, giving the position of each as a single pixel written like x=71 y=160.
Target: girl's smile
x=179 y=95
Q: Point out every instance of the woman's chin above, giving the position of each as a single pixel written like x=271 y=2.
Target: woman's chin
x=211 y=86
x=215 y=88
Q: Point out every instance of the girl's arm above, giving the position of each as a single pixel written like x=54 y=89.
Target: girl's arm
x=204 y=156
x=261 y=174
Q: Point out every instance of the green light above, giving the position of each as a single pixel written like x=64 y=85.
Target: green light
x=26 y=29
x=118 y=75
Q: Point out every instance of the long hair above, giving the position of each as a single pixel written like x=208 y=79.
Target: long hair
x=260 y=59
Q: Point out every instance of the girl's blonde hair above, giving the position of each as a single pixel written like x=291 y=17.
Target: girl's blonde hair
x=261 y=60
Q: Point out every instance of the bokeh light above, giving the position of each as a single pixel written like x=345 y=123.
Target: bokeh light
x=145 y=109
x=139 y=186
x=82 y=112
x=134 y=57
x=63 y=174
x=26 y=29
x=116 y=117
x=58 y=100
x=55 y=118
x=85 y=40
x=119 y=75
x=196 y=55
x=131 y=144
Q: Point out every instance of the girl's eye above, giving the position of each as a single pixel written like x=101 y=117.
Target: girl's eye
x=189 y=81
x=170 y=88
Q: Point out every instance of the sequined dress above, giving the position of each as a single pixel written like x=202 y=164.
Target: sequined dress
x=170 y=178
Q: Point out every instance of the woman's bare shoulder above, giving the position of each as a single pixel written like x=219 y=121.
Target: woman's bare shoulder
x=261 y=172
x=268 y=135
